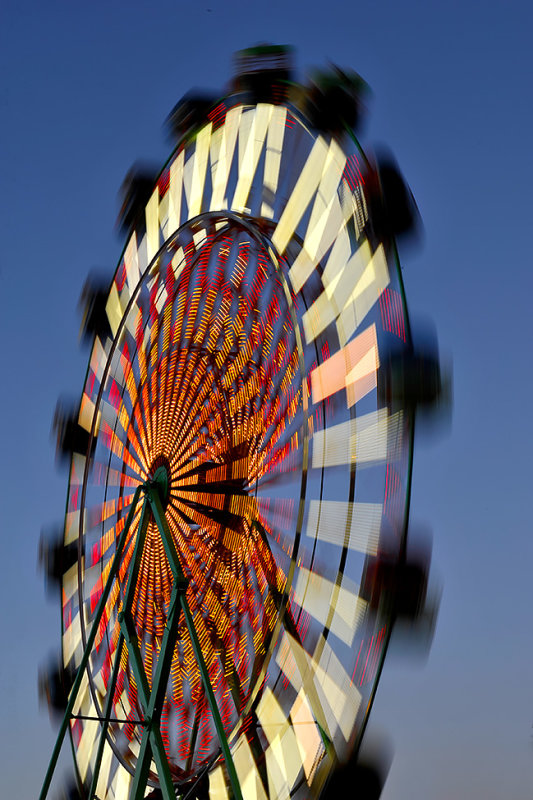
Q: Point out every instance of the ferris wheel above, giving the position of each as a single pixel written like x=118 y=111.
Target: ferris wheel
x=234 y=549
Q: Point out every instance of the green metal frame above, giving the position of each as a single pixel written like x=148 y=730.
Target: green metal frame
x=151 y=701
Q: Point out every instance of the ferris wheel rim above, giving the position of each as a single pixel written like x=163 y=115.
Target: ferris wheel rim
x=228 y=214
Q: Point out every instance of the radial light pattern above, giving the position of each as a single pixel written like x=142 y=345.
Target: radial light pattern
x=248 y=314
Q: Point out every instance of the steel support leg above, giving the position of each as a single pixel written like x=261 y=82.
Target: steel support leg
x=88 y=647
x=152 y=700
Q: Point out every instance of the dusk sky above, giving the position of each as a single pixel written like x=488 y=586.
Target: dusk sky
x=86 y=88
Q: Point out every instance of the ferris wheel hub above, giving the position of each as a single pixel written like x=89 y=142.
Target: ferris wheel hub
x=160 y=479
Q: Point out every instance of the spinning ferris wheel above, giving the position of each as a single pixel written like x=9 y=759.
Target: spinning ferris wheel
x=234 y=549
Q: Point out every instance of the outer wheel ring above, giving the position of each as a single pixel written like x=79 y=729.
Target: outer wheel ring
x=307 y=296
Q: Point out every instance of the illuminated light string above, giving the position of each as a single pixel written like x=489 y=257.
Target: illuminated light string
x=207 y=377
x=392 y=313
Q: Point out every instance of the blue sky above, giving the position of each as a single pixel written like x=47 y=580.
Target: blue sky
x=85 y=90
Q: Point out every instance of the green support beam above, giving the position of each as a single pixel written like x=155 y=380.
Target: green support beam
x=89 y=646
x=179 y=578
x=151 y=700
